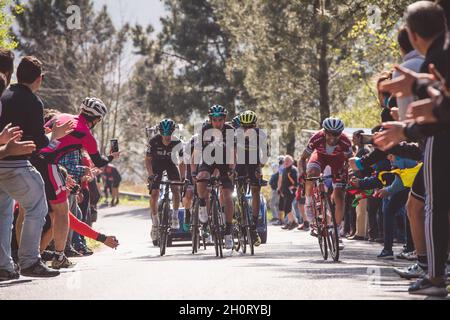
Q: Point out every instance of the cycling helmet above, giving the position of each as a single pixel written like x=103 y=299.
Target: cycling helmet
x=217 y=111
x=94 y=107
x=248 y=118
x=166 y=127
x=236 y=122
x=333 y=125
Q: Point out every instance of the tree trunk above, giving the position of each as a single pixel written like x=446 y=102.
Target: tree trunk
x=290 y=146
x=324 y=77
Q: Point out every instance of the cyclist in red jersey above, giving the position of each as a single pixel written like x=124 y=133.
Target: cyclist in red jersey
x=328 y=147
x=92 y=112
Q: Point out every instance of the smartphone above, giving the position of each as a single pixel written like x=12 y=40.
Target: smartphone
x=367 y=138
x=114 y=145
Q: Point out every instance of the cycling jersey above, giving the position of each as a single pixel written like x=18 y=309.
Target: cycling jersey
x=323 y=155
x=251 y=146
x=218 y=139
x=80 y=137
x=162 y=159
x=160 y=152
x=318 y=143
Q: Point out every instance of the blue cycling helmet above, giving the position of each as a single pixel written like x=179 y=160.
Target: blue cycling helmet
x=217 y=111
x=166 y=127
x=236 y=122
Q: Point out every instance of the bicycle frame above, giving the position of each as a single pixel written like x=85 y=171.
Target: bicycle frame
x=325 y=220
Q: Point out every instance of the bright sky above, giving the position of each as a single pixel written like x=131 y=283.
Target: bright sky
x=143 y=12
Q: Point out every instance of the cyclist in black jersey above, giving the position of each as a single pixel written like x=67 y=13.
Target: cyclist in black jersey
x=217 y=145
x=251 y=153
x=162 y=152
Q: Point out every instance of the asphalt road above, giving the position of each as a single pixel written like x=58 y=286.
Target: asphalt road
x=289 y=266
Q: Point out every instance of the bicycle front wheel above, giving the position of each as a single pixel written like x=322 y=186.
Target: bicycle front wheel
x=332 y=230
x=218 y=240
x=164 y=229
x=195 y=234
x=248 y=217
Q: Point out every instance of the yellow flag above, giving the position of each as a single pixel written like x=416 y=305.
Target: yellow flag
x=407 y=175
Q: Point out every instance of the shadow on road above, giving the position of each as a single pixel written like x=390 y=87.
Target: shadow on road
x=141 y=213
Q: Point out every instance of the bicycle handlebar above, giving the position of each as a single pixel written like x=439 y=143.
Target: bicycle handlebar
x=321 y=178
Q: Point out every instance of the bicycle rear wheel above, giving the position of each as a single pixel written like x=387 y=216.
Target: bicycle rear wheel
x=332 y=230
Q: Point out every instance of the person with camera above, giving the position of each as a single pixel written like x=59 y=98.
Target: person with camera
x=428 y=32
x=161 y=156
x=92 y=112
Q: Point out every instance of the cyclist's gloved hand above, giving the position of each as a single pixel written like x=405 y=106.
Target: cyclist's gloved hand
x=150 y=180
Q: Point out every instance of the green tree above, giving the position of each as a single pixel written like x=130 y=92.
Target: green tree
x=81 y=58
x=7 y=39
x=306 y=59
x=186 y=64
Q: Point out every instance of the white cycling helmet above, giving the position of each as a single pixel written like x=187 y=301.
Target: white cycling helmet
x=333 y=125
x=94 y=107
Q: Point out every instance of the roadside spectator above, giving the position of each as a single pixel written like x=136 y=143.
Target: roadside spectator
x=274 y=197
x=361 y=209
x=114 y=176
x=18 y=178
x=287 y=187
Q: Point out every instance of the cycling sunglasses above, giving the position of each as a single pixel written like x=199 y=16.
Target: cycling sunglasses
x=334 y=134
x=217 y=119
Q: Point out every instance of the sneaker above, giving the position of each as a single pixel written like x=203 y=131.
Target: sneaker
x=313 y=233
x=356 y=237
x=286 y=226
x=278 y=223
x=85 y=251
x=411 y=256
x=413 y=271
x=386 y=255
x=62 y=263
x=175 y=222
x=228 y=242
x=426 y=287
x=47 y=255
x=39 y=270
x=70 y=252
x=203 y=214
x=6 y=275
x=304 y=226
x=255 y=237
x=404 y=255
x=292 y=226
